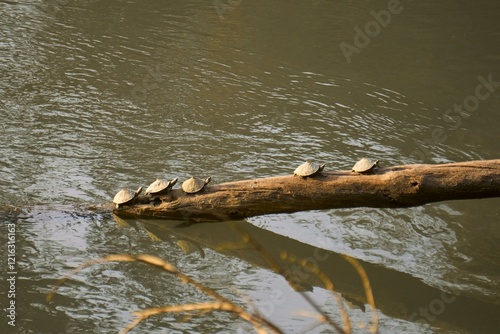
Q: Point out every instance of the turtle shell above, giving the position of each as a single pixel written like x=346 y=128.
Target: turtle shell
x=194 y=185
x=125 y=196
x=160 y=186
x=308 y=168
x=365 y=165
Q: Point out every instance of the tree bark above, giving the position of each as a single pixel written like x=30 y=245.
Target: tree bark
x=390 y=187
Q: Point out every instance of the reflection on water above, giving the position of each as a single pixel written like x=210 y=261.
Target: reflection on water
x=408 y=240
x=99 y=299
x=98 y=95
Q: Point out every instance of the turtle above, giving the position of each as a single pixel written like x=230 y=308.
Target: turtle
x=194 y=185
x=308 y=169
x=365 y=166
x=160 y=186
x=126 y=196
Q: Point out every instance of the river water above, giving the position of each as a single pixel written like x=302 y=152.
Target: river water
x=97 y=95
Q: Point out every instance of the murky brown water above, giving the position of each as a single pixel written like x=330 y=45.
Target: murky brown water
x=98 y=95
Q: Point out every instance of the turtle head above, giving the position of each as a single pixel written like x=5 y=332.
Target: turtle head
x=138 y=191
x=207 y=181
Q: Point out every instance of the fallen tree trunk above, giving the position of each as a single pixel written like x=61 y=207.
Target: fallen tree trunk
x=391 y=187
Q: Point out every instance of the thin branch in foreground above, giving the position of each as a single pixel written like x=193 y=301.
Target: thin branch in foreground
x=224 y=304
x=327 y=282
x=205 y=307
x=368 y=290
x=247 y=238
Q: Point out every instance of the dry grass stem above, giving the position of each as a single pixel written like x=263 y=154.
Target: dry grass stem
x=368 y=291
x=327 y=282
x=259 y=323
x=223 y=303
x=247 y=238
x=202 y=307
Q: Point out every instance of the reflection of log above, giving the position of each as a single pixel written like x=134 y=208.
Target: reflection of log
x=391 y=187
x=397 y=294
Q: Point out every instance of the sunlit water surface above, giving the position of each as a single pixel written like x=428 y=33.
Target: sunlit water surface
x=100 y=95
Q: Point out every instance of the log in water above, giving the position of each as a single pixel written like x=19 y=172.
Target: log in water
x=390 y=187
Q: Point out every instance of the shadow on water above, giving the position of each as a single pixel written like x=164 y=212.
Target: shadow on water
x=396 y=294
x=84 y=299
